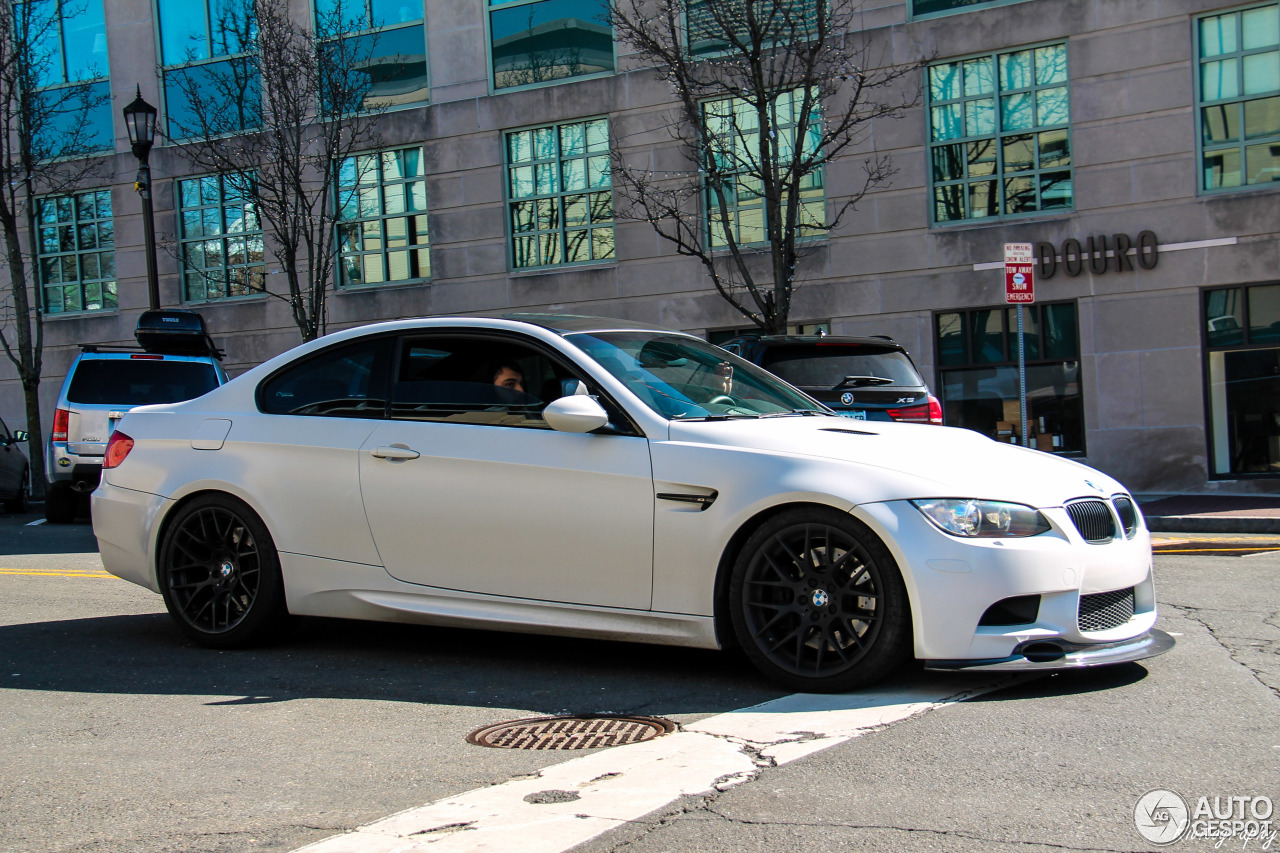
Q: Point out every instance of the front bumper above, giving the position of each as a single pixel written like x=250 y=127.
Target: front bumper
x=1048 y=655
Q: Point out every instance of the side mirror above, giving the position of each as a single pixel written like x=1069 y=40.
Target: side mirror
x=20 y=435
x=572 y=388
x=575 y=414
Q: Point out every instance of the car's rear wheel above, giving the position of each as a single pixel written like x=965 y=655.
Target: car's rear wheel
x=60 y=503
x=220 y=576
x=818 y=603
x=21 y=502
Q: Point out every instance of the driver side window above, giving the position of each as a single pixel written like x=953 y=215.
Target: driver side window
x=474 y=380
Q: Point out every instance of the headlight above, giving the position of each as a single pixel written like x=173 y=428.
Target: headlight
x=982 y=519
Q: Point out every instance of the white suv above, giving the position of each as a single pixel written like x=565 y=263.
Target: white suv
x=176 y=361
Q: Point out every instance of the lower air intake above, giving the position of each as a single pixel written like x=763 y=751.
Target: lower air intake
x=1105 y=610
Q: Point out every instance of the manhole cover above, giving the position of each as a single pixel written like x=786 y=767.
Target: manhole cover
x=571 y=732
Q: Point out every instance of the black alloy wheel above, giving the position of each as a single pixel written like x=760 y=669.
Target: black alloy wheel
x=818 y=603
x=21 y=502
x=220 y=574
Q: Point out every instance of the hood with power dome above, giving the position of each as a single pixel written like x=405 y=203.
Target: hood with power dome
x=911 y=461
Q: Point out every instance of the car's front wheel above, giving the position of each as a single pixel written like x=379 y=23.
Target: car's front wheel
x=818 y=603
x=220 y=575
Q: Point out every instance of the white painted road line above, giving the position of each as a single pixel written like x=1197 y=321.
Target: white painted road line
x=567 y=804
x=36 y=523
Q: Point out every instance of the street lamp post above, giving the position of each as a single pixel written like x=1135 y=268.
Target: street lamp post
x=140 y=119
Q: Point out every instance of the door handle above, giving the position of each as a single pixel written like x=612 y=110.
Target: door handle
x=395 y=451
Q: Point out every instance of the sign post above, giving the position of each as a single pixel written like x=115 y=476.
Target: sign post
x=1020 y=290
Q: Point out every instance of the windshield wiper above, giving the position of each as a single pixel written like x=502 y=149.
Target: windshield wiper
x=858 y=381
x=721 y=417
x=790 y=412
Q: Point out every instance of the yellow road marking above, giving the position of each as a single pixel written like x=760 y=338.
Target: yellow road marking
x=48 y=574
x=1259 y=549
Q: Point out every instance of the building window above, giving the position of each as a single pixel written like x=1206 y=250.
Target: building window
x=221 y=239
x=1239 y=97
x=711 y=25
x=384 y=42
x=999 y=135
x=1242 y=337
x=977 y=355
x=211 y=83
x=929 y=8
x=542 y=41
x=77 y=252
x=69 y=52
x=560 y=194
x=382 y=204
x=735 y=180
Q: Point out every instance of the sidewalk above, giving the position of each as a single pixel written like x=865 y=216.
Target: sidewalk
x=1211 y=513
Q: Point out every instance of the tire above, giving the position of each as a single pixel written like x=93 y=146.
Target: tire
x=219 y=573
x=818 y=603
x=60 y=503
x=21 y=502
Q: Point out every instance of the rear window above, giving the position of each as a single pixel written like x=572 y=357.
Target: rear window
x=130 y=382
x=828 y=365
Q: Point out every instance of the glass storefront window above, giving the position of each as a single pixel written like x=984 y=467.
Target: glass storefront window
x=1244 y=378
x=978 y=374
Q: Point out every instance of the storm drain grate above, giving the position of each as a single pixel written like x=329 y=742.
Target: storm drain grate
x=589 y=731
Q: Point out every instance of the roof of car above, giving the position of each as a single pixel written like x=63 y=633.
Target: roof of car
x=860 y=340
x=564 y=324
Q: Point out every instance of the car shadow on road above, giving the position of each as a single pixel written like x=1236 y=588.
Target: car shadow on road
x=331 y=658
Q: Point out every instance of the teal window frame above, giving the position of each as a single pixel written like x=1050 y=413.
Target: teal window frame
x=745 y=197
x=75 y=253
x=558 y=189
x=972 y=141
x=172 y=67
x=953 y=7
x=382 y=220
x=369 y=25
x=1240 y=102
x=67 y=77
x=218 y=223
x=501 y=7
x=709 y=48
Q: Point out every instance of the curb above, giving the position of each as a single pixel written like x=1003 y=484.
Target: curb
x=1211 y=524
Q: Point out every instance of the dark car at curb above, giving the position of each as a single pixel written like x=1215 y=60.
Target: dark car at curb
x=864 y=378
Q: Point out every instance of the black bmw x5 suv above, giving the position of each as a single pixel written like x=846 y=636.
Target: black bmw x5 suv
x=870 y=378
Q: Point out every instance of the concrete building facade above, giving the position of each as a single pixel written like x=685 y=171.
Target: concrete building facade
x=1079 y=126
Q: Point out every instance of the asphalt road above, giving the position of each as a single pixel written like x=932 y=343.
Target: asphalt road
x=115 y=735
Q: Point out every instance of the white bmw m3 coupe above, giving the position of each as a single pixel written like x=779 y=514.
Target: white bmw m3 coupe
x=599 y=478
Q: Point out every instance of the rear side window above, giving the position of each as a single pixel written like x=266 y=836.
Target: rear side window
x=130 y=382
x=832 y=365
x=343 y=382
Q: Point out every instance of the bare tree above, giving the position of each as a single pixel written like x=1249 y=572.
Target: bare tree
x=45 y=134
x=768 y=92
x=277 y=118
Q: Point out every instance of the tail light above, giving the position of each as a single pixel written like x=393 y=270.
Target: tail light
x=118 y=447
x=61 y=422
x=925 y=413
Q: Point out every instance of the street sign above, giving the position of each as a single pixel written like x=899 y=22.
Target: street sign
x=1019 y=273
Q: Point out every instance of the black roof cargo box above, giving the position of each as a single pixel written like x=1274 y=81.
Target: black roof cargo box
x=175 y=333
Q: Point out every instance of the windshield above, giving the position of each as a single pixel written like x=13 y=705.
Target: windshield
x=841 y=365
x=126 y=382
x=680 y=377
